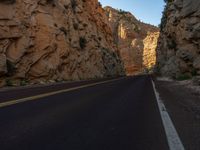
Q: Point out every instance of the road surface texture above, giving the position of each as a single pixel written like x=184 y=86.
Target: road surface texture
x=10 y=93
x=118 y=115
x=183 y=105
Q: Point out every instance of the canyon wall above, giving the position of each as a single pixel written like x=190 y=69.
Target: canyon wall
x=53 y=40
x=178 y=52
x=136 y=41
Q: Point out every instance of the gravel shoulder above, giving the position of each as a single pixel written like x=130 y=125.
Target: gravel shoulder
x=182 y=100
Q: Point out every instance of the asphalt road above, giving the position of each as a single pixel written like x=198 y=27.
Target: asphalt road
x=119 y=115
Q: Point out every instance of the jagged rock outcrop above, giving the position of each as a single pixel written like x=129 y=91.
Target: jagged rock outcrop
x=45 y=40
x=179 y=43
x=136 y=41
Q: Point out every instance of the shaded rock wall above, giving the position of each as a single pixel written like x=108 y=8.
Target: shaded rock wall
x=136 y=41
x=47 y=40
x=178 y=52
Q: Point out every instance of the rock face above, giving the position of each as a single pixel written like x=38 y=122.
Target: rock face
x=178 y=50
x=136 y=41
x=44 y=40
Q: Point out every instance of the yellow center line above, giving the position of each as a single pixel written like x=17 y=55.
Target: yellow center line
x=31 y=98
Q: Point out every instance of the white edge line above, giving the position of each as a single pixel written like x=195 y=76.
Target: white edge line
x=173 y=138
x=36 y=97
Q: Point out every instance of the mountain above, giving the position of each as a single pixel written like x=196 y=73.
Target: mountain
x=136 y=41
x=55 y=40
x=178 y=53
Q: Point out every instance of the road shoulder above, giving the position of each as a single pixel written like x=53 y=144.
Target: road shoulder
x=183 y=105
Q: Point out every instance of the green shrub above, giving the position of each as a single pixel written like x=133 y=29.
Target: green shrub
x=164 y=16
x=63 y=29
x=137 y=29
x=99 y=4
x=122 y=12
x=8 y=1
x=183 y=77
x=66 y=6
x=85 y=25
x=9 y=82
x=75 y=26
x=73 y=5
x=172 y=44
x=163 y=19
x=194 y=72
x=168 y=1
x=82 y=42
x=52 y=2
x=23 y=82
x=10 y=68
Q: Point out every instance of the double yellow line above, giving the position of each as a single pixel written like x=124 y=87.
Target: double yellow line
x=36 y=97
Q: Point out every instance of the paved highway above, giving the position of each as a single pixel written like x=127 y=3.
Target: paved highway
x=118 y=115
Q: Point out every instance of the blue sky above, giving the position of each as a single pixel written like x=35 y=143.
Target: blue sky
x=148 y=11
